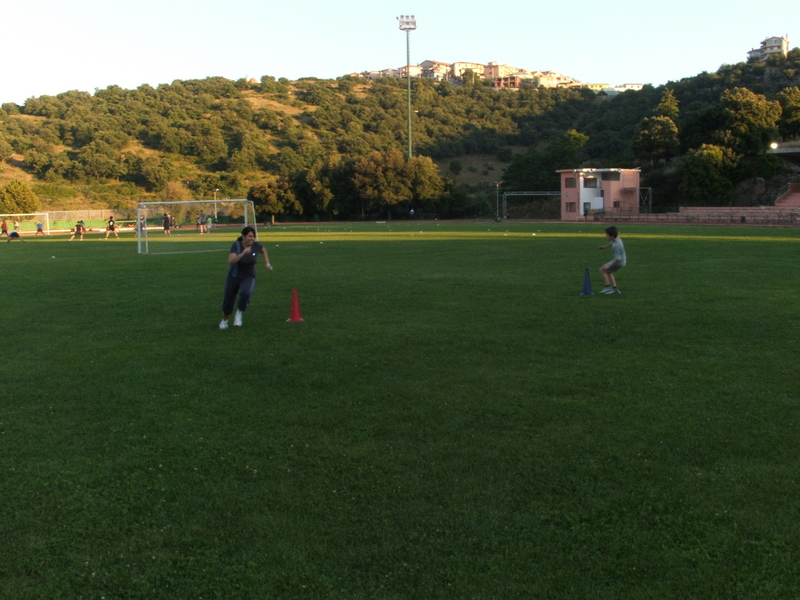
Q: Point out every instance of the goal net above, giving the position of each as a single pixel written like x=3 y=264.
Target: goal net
x=27 y=223
x=531 y=205
x=191 y=226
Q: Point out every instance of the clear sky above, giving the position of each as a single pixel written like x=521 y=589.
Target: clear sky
x=51 y=46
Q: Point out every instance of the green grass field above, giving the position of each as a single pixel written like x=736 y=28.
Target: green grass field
x=452 y=420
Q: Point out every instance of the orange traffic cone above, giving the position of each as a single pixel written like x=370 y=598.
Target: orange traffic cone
x=295 y=314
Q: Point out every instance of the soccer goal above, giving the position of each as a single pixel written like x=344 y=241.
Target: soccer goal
x=27 y=223
x=531 y=205
x=191 y=226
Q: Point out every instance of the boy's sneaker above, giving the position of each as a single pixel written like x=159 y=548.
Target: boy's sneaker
x=223 y=324
x=607 y=290
x=615 y=291
x=237 y=319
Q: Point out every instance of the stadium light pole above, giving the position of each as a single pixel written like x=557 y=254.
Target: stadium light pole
x=408 y=23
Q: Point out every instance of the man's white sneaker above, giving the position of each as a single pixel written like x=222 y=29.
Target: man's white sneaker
x=237 y=319
x=607 y=290
x=223 y=324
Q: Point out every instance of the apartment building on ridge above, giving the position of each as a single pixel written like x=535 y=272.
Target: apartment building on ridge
x=770 y=46
x=501 y=75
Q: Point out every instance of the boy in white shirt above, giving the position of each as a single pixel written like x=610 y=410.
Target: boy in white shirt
x=620 y=260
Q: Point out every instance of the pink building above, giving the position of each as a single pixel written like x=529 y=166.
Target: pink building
x=588 y=191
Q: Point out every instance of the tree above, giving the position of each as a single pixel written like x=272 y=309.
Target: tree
x=325 y=183
x=5 y=149
x=705 y=174
x=425 y=181
x=379 y=179
x=790 y=119
x=668 y=106
x=173 y=191
x=701 y=127
x=17 y=197
x=207 y=143
x=526 y=172
x=749 y=120
x=101 y=160
x=656 y=139
x=566 y=151
x=269 y=85
x=275 y=196
x=386 y=179
x=536 y=171
x=469 y=77
x=156 y=172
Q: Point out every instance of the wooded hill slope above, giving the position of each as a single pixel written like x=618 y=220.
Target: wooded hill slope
x=336 y=149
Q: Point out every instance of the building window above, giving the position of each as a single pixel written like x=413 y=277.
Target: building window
x=612 y=176
x=590 y=182
x=572 y=207
x=570 y=182
x=616 y=203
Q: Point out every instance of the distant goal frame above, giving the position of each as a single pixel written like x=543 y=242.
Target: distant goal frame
x=506 y=195
x=43 y=216
x=143 y=209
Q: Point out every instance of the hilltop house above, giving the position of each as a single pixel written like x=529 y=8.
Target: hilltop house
x=457 y=69
x=770 y=46
x=432 y=69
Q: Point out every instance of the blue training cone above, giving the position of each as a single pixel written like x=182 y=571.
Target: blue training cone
x=587 y=284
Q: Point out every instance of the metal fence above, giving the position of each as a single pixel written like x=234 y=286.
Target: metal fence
x=752 y=217
x=100 y=214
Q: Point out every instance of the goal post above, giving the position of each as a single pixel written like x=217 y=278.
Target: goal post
x=28 y=223
x=191 y=225
x=531 y=205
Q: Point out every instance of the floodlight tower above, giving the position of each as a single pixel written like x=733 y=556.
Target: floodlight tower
x=408 y=23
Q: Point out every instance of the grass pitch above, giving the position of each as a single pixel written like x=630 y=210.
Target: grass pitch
x=452 y=419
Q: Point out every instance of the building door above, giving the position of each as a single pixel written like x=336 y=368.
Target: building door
x=587 y=206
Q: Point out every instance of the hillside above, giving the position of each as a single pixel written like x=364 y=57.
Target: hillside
x=333 y=149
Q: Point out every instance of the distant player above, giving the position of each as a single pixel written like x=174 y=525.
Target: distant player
x=39 y=228
x=79 y=230
x=111 y=227
x=620 y=260
x=14 y=235
x=166 y=223
x=242 y=275
x=4 y=228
